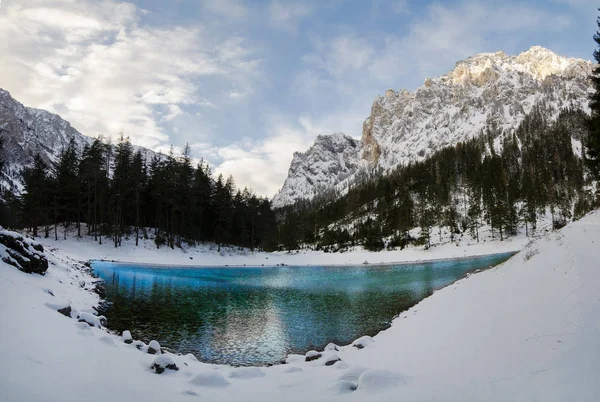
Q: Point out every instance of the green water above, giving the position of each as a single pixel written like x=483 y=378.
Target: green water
x=256 y=316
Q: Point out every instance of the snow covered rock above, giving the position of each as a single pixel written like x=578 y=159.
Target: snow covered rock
x=154 y=347
x=92 y=320
x=24 y=254
x=163 y=362
x=363 y=342
x=312 y=355
x=331 y=347
x=140 y=346
x=377 y=380
x=247 y=373
x=331 y=358
x=210 y=379
x=127 y=338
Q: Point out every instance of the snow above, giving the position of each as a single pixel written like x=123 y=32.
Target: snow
x=526 y=330
x=85 y=248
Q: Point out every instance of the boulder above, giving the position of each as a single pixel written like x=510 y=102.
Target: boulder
x=127 y=338
x=24 y=254
x=312 y=355
x=162 y=363
x=66 y=311
x=363 y=342
x=154 y=348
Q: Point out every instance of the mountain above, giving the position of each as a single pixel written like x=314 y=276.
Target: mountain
x=27 y=131
x=331 y=159
x=487 y=90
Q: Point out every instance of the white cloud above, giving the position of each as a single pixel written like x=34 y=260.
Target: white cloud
x=226 y=8
x=99 y=67
x=262 y=165
x=287 y=14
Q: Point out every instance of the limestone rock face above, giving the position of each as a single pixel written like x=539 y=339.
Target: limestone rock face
x=407 y=126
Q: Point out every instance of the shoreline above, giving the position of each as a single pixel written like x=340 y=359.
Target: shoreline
x=368 y=264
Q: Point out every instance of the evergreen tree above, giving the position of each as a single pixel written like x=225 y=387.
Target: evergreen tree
x=592 y=143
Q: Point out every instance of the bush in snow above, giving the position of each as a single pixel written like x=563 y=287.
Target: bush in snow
x=154 y=347
x=163 y=362
x=24 y=254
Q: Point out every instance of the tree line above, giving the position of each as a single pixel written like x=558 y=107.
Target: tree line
x=121 y=192
x=503 y=179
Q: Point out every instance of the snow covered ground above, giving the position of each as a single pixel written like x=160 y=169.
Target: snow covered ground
x=85 y=248
x=526 y=330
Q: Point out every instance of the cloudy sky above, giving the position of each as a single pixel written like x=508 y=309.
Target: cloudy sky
x=247 y=83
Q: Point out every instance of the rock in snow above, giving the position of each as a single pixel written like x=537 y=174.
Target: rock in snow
x=154 y=347
x=92 y=320
x=363 y=342
x=24 y=254
x=127 y=338
x=210 y=379
x=312 y=355
x=163 y=362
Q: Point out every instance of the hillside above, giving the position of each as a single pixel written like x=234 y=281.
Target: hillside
x=26 y=132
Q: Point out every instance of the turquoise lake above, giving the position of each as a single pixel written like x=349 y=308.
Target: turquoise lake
x=258 y=315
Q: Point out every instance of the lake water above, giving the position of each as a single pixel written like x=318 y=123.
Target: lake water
x=257 y=315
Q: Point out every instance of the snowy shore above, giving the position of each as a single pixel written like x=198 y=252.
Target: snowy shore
x=86 y=248
x=526 y=330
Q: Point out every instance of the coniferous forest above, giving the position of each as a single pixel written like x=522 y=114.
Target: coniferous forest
x=118 y=192
x=506 y=180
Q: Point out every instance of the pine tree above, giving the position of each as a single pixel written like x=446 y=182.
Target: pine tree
x=592 y=144
x=35 y=194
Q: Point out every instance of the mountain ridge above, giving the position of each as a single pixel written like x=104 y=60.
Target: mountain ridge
x=485 y=89
x=27 y=131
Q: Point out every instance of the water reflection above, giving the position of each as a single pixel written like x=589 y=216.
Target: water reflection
x=243 y=315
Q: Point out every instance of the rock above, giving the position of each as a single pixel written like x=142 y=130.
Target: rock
x=154 y=347
x=66 y=311
x=92 y=320
x=162 y=363
x=24 y=254
x=330 y=361
x=363 y=342
x=127 y=338
x=331 y=347
x=312 y=355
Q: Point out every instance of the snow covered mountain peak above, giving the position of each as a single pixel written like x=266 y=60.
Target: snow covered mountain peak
x=407 y=125
x=331 y=159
